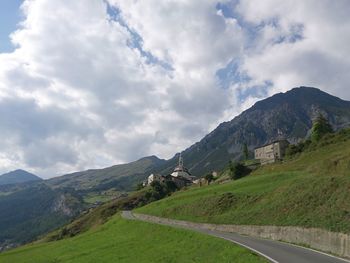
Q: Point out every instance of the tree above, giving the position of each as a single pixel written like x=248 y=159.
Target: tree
x=320 y=128
x=238 y=170
x=156 y=186
x=170 y=186
x=209 y=178
x=157 y=190
x=294 y=149
x=245 y=151
x=139 y=186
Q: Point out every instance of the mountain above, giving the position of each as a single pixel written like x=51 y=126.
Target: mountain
x=309 y=189
x=123 y=177
x=34 y=210
x=288 y=115
x=18 y=176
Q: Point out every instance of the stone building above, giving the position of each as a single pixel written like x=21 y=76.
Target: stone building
x=179 y=180
x=181 y=171
x=180 y=176
x=154 y=177
x=271 y=152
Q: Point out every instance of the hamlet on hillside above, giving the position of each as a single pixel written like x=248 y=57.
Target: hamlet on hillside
x=180 y=176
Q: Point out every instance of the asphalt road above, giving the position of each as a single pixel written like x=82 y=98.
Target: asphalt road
x=274 y=251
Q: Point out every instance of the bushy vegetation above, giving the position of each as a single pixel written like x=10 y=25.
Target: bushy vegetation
x=209 y=178
x=320 y=128
x=245 y=151
x=121 y=240
x=238 y=170
x=310 y=190
x=294 y=149
x=159 y=190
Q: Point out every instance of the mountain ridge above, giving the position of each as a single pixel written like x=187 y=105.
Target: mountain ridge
x=123 y=177
x=288 y=114
x=18 y=176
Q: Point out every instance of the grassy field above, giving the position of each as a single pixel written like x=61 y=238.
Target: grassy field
x=121 y=240
x=311 y=190
x=103 y=196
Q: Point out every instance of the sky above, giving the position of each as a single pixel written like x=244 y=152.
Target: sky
x=93 y=83
x=10 y=15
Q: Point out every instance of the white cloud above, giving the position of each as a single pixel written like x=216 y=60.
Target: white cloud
x=86 y=88
x=86 y=98
x=318 y=58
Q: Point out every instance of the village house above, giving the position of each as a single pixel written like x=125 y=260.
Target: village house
x=271 y=152
x=154 y=177
x=180 y=176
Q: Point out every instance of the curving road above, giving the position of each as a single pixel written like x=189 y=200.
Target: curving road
x=274 y=251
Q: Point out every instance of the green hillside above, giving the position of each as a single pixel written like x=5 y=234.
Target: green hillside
x=35 y=208
x=310 y=190
x=122 y=177
x=121 y=240
x=34 y=211
x=290 y=113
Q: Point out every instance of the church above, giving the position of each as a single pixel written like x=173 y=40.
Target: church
x=180 y=176
x=181 y=171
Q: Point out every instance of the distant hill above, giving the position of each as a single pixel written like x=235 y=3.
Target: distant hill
x=123 y=177
x=29 y=210
x=288 y=115
x=18 y=176
x=34 y=210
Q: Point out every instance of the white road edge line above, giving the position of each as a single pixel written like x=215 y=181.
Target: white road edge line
x=320 y=252
x=260 y=253
x=252 y=249
x=233 y=241
x=299 y=246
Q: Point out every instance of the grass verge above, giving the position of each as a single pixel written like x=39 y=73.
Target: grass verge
x=121 y=240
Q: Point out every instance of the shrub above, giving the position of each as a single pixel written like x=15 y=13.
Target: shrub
x=209 y=178
x=245 y=151
x=170 y=186
x=238 y=170
x=294 y=149
x=139 y=186
x=160 y=190
x=320 y=128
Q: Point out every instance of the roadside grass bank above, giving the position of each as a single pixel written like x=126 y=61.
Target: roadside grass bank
x=121 y=240
x=309 y=190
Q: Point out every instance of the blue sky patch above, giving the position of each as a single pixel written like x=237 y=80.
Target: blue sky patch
x=136 y=40
x=258 y=91
x=10 y=16
x=231 y=74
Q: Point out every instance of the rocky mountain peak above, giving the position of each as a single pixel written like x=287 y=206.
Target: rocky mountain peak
x=288 y=115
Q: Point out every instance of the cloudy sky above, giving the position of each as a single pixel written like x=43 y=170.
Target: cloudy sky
x=92 y=83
